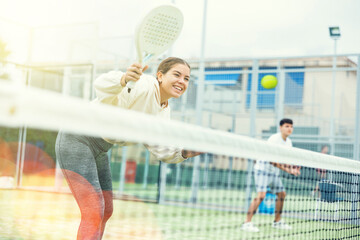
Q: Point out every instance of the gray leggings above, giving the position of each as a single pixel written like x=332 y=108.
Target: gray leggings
x=85 y=156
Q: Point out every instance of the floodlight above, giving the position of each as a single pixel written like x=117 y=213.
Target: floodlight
x=334 y=32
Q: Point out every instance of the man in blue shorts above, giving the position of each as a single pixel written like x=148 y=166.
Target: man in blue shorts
x=267 y=174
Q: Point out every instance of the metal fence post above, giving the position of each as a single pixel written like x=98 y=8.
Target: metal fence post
x=199 y=107
x=253 y=109
x=122 y=170
x=355 y=178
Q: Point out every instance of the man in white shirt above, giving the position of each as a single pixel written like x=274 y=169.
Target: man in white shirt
x=267 y=174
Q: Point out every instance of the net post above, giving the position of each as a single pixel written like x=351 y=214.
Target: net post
x=122 y=170
x=231 y=159
x=162 y=183
x=18 y=172
x=206 y=170
x=178 y=176
x=195 y=179
x=146 y=169
x=21 y=157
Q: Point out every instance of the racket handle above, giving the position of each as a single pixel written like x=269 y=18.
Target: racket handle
x=130 y=85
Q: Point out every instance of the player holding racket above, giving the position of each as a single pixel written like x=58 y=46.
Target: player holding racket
x=84 y=159
x=267 y=174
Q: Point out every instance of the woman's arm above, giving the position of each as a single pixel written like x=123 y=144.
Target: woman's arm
x=108 y=86
x=166 y=154
x=170 y=154
x=189 y=154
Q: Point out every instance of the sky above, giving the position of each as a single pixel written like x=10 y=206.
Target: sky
x=79 y=30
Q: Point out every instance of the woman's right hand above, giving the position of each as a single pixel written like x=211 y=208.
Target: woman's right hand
x=189 y=154
x=133 y=73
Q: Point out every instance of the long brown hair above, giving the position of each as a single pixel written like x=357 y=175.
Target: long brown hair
x=169 y=62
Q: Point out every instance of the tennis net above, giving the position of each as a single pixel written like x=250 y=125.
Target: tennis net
x=205 y=197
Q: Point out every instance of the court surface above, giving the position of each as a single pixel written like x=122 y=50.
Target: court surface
x=26 y=214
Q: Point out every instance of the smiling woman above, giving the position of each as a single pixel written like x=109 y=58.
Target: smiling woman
x=173 y=78
x=84 y=159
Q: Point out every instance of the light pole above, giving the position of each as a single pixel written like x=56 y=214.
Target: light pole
x=335 y=35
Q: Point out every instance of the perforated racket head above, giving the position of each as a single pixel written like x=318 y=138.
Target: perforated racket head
x=158 y=31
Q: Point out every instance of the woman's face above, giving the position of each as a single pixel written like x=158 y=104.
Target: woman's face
x=175 y=82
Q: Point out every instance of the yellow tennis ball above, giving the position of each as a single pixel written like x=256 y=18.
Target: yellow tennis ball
x=269 y=81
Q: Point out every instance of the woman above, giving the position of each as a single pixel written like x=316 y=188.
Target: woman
x=84 y=159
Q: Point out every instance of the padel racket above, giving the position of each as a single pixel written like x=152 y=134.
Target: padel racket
x=156 y=33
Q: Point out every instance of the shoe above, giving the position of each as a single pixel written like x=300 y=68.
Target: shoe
x=249 y=227
x=281 y=225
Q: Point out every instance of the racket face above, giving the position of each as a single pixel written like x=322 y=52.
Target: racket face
x=158 y=31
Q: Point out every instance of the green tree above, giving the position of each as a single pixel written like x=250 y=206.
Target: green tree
x=4 y=53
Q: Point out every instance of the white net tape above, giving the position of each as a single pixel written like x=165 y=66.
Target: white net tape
x=42 y=109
